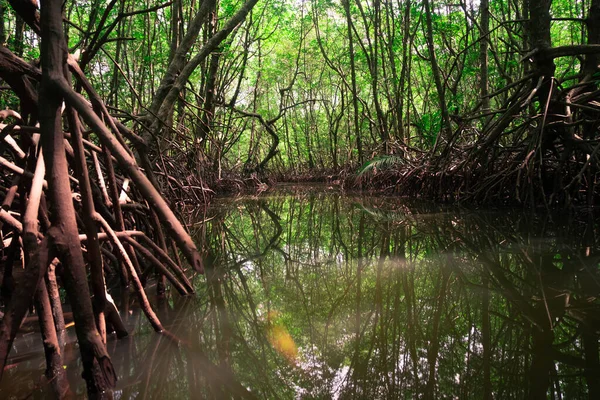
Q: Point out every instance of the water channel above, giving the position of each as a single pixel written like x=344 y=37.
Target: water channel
x=314 y=294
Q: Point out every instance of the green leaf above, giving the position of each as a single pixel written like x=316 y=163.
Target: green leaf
x=381 y=162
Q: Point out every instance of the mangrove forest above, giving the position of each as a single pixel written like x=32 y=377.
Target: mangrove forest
x=300 y=199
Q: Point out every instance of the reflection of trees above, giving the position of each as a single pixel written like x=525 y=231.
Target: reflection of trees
x=410 y=302
x=382 y=301
x=537 y=282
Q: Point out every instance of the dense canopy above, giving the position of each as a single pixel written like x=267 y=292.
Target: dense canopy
x=498 y=97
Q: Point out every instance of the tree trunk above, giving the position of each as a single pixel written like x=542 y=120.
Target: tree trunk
x=166 y=96
x=435 y=68
x=98 y=370
x=484 y=31
x=354 y=93
x=539 y=38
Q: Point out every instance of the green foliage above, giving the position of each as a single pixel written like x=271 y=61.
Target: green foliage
x=292 y=60
x=429 y=126
x=379 y=163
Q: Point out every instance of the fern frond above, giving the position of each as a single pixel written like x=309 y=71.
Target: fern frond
x=381 y=162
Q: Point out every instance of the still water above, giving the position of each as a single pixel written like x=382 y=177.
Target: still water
x=310 y=293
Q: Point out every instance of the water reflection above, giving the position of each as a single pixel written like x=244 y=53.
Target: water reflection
x=311 y=294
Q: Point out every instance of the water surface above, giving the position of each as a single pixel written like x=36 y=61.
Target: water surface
x=313 y=294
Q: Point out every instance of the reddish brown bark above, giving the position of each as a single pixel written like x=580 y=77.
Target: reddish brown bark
x=21 y=301
x=64 y=236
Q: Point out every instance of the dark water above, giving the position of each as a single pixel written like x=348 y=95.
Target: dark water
x=313 y=294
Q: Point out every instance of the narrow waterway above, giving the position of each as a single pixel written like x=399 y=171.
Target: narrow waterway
x=310 y=293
